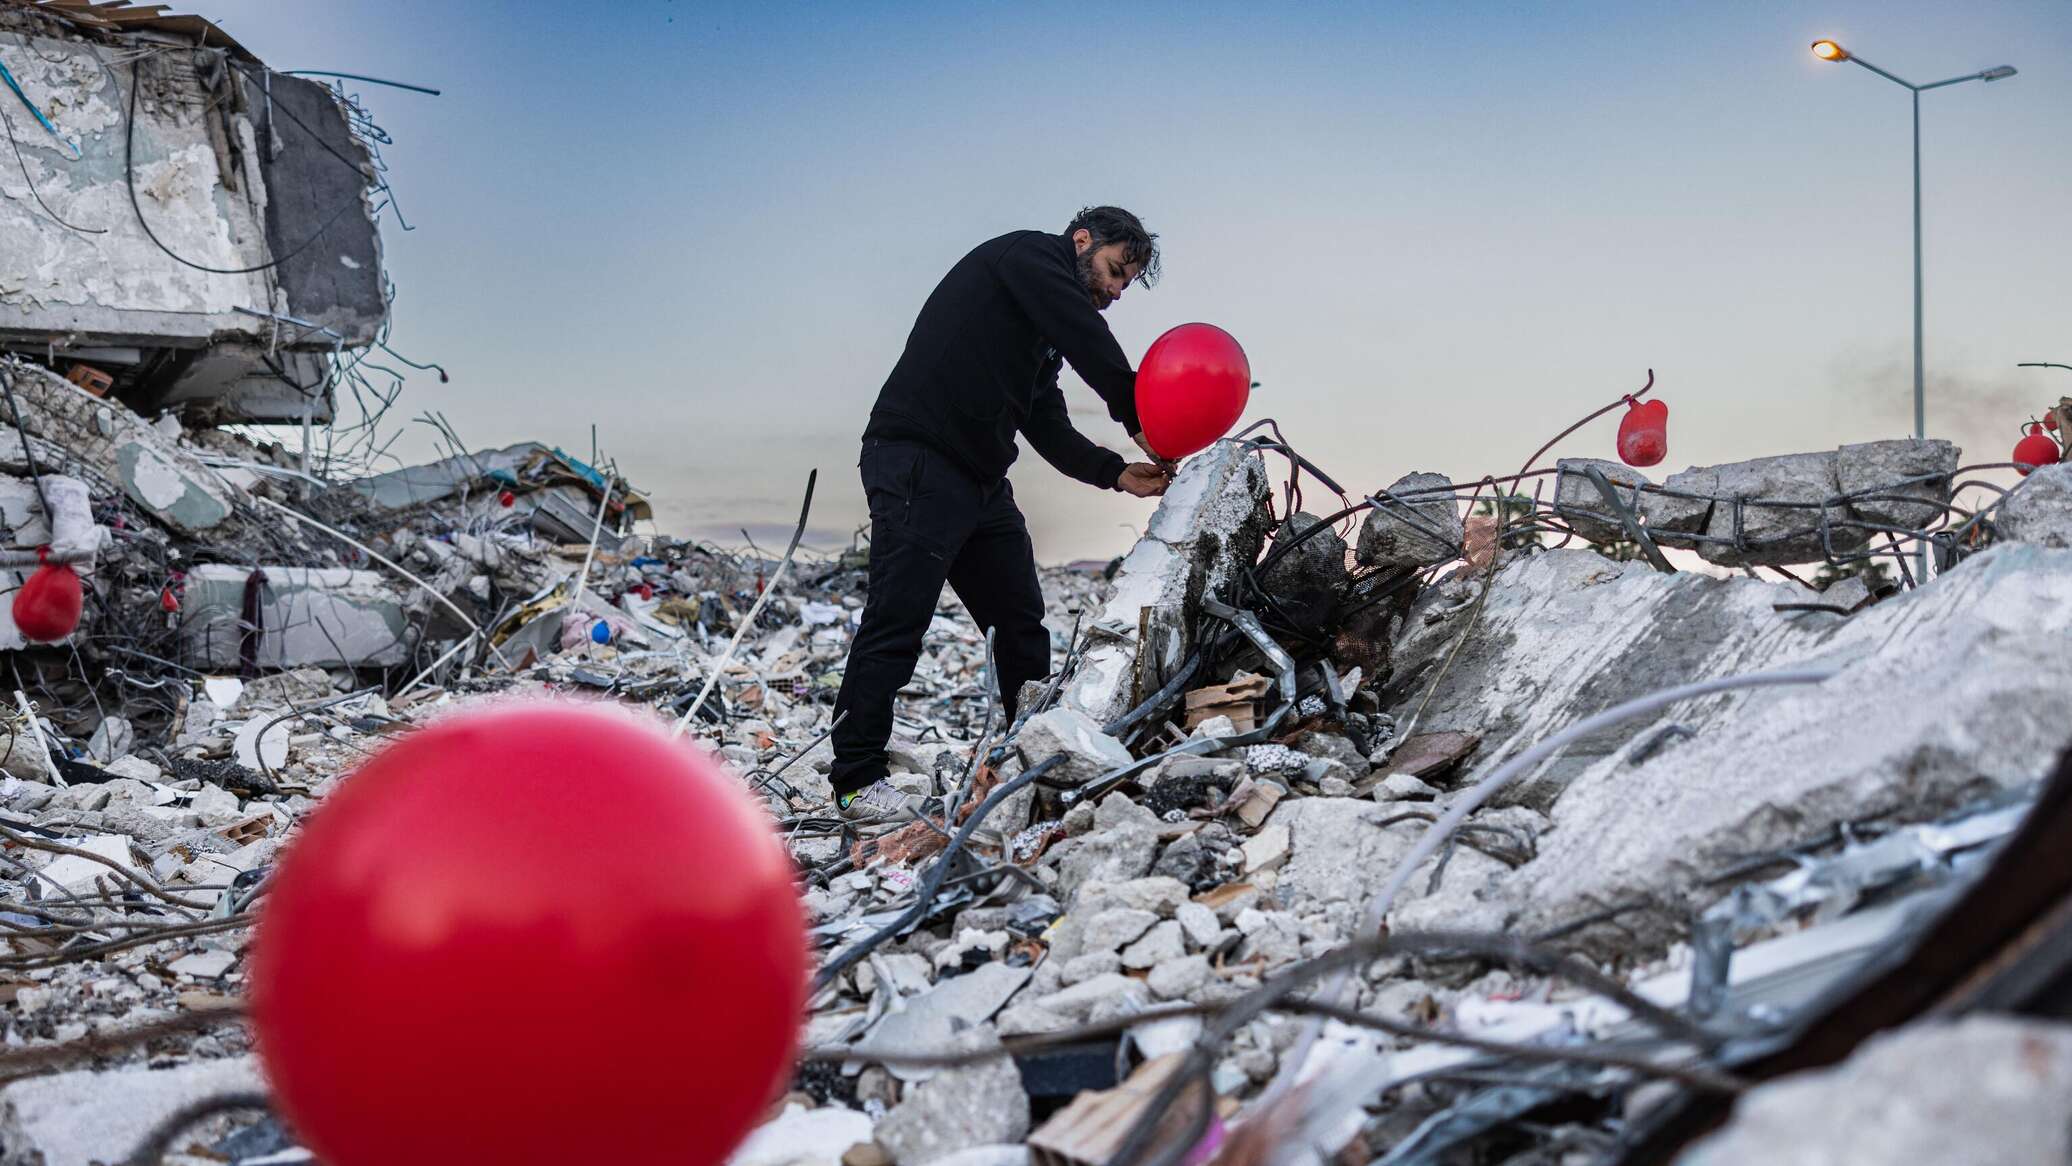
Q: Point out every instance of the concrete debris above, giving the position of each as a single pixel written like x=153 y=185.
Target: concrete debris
x=1088 y=752
x=1208 y=528
x=1791 y=525
x=1985 y=1090
x=2041 y=511
x=88 y=1117
x=1418 y=524
x=1741 y=783
x=1579 y=502
x=259 y=618
x=1879 y=477
x=958 y=1110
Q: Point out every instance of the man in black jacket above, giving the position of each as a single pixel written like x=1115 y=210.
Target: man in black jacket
x=980 y=366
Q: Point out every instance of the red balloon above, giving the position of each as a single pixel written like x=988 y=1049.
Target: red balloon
x=1644 y=433
x=2037 y=449
x=47 y=607
x=535 y=933
x=1191 y=388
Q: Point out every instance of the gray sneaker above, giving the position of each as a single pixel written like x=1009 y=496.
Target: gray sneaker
x=877 y=802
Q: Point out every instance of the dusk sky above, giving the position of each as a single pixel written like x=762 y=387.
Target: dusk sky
x=1441 y=231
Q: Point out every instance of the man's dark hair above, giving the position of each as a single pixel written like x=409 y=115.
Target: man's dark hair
x=1112 y=224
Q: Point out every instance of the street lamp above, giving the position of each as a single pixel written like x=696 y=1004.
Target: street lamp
x=1828 y=50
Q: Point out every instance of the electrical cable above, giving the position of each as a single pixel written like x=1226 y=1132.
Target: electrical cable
x=37 y=194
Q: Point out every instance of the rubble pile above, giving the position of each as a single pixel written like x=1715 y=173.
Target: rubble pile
x=1452 y=822
x=1254 y=726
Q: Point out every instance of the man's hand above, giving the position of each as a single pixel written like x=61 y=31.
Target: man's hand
x=1144 y=480
x=1165 y=463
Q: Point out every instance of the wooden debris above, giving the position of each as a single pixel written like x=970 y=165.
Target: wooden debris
x=1088 y=1131
x=1243 y=700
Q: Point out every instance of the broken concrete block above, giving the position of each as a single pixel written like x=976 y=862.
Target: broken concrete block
x=1081 y=968
x=1076 y=1002
x=133 y=767
x=212 y=802
x=1208 y=528
x=274 y=692
x=1088 y=752
x=203 y=965
x=1111 y=929
x=1417 y=524
x=1580 y=633
x=111 y=739
x=1199 y=923
x=87 y=1116
x=1685 y=509
x=1307 y=580
x=1769 y=532
x=1158 y=895
x=1266 y=850
x=2039 y=509
x=1105 y=856
x=1579 y=503
x=1274 y=937
x=321 y=617
x=1163 y=942
x=1880 y=466
x=74 y=874
x=1741 y=783
x=1190 y=861
x=931 y=1019
x=1984 y=1090
x=1179 y=978
x=958 y=1109
x=166 y=481
x=1334 y=850
x=1403 y=787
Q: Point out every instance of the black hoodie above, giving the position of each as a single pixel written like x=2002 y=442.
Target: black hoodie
x=982 y=363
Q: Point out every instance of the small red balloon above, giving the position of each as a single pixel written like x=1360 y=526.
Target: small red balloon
x=2037 y=449
x=47 y=607
x=1644 y=433
x=506 y=499
x=535 y=933
x=1192 y=386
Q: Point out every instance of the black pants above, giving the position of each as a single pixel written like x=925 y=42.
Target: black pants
x=931 y=523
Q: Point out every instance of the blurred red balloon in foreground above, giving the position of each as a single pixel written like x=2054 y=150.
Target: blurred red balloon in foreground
x=47 y=607
x=537 y=933
x=1191 y=388
x=1644 y=433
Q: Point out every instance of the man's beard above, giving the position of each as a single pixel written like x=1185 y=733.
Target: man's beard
x=1090 y=281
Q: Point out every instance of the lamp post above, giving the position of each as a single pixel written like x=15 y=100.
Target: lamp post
x=1828 y=50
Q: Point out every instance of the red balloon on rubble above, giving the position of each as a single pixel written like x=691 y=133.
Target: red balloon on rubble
x=1644 y=433
x=47 y=607
x=1191 y=388
x=2037 y=449
x=537 y=933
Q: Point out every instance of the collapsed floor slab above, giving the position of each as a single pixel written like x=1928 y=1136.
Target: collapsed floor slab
x=1940 y=698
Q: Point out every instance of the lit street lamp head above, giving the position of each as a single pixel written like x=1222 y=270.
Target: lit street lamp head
x=1828 y=50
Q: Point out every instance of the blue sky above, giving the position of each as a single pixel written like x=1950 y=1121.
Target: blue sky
x=1442 y=231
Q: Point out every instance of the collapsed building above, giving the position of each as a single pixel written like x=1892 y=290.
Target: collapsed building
x=1563 y=816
